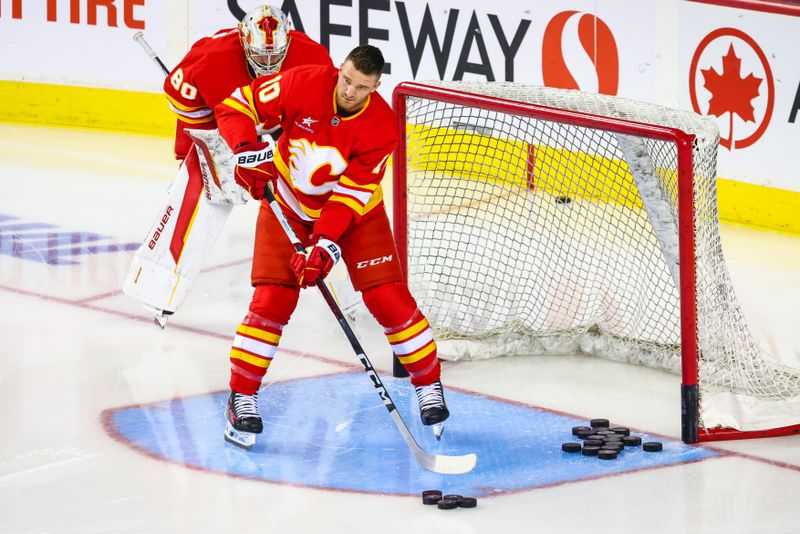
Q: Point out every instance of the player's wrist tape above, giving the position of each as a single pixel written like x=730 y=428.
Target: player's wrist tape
x=331 y=249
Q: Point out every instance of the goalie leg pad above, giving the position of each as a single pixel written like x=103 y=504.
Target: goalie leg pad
x=178 y=243
x=406 y=329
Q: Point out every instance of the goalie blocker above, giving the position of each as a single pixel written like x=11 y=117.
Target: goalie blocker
x=199 y=202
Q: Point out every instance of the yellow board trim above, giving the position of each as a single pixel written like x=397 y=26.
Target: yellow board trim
x=149 y=113
x=508 y=161
x=86 y=107
x=758 y=205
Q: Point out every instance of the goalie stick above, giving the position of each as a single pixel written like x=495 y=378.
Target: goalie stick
x=139 y=38
x=168 y=263
x=438 y=463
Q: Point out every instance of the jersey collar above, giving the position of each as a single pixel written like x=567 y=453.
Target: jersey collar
x=354 y=115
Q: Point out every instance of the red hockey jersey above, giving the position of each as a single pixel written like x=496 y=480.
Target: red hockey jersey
x=322 y=158
x=213 y=68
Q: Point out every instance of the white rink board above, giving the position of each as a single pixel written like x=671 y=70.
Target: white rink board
x=102 y=54
x=477 y=24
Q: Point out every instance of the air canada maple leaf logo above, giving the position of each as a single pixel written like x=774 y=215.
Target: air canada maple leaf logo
x=730 y=92
x=740 y=97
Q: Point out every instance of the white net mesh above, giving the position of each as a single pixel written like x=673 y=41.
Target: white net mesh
x=528 y=236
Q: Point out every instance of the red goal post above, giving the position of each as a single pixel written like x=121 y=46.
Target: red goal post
x=485 y=151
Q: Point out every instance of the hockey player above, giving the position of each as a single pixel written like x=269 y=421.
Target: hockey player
x=327 y=169
x=169 y=260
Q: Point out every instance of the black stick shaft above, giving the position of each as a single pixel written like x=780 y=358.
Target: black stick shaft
x=337 y=312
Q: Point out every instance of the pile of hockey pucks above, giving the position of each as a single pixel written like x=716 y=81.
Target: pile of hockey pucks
x=606 y=442
x=447 y=502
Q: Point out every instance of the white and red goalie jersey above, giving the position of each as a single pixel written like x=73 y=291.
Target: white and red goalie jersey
x=213 y=68
x=323 y=159
x=180 y=240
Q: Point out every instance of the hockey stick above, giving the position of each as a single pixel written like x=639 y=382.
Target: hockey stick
x=159 y=316
x=139 y=38
x=438 y=463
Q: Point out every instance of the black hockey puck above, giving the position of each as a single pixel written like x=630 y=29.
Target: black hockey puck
x=590 y=451
x=593 y=443
x=571 y=446
x=607 y=432
x=632 y=441
x=431 y=496
x=583 y=434
x=576 y=429
x=607 y=455
x=622 y=430
x=467 y=502
x=452 y=497
x=595 y=436
x=563 y=199
x=612 y=439
x=612 y=448
x=652 y=446
x=595 y=423
x=447 y=504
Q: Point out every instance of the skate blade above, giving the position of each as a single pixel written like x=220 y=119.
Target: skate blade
x=160 y=320
x=438 y=430
x=245 y=440
x=159 y=316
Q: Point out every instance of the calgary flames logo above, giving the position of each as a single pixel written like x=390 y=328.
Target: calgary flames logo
x=735 y=90
x=312 y=166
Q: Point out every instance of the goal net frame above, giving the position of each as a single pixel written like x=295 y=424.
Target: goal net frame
x=692 y=431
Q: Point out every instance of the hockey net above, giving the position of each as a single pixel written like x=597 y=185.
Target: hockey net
x=535 y=220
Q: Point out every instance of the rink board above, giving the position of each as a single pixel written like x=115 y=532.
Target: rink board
x=333 y=432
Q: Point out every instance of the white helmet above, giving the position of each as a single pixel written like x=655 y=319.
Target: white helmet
x=264 y=32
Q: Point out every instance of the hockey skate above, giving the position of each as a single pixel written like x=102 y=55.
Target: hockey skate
x=432 y=408
x=244 y=422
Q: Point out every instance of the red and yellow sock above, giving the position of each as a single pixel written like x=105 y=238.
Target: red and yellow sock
x=253 y=348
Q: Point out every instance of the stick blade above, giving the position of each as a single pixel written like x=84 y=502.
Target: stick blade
x=447 y=465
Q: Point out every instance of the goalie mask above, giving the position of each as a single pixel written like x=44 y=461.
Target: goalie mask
x=264 y=32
